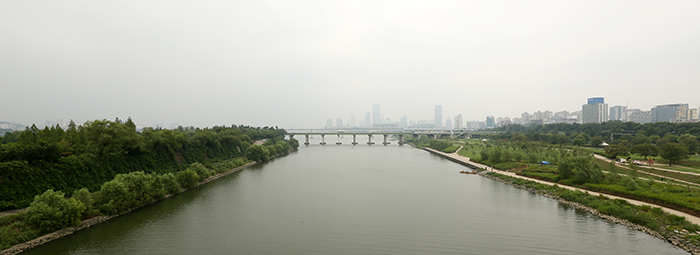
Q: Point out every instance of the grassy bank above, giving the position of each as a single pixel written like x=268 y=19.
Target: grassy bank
x=654 y=218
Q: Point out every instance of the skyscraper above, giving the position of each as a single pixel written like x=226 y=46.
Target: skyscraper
x=669 y=112
x=619 y=112
x=596 y=100
x=368 y=122
x=490 y=122
x=404 y=122
x=438 y=116
x=448 y=124
x=458 y=122
x=376 y=117
x=595 y=111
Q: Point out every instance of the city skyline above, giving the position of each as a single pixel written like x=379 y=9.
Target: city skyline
x=602 y=114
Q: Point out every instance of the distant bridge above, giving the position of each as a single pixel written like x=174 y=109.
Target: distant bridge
x=416 y=133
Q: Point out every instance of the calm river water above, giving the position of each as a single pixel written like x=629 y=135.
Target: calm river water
x=357 y=200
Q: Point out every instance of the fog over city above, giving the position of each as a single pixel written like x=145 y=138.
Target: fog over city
x=296 y=64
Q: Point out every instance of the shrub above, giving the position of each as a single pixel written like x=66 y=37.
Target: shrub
x=201 y=171
x=84 y=196
x=257 y=153
x=113 y=197
x=51 y=211
x=187 y=179
x=170 y=183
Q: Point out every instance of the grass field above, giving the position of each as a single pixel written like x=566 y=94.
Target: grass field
x=472 y=151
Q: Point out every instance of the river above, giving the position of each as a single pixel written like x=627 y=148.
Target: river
x=357 y=200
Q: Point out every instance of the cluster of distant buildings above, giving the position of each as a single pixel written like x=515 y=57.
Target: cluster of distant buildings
x=597 y=111
x=376 y=120
x=594 y=111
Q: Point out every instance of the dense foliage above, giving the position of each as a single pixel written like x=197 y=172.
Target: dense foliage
x=125 y=169
x=88 y=155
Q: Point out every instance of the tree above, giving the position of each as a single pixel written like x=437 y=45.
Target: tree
x=615 y=150
x=690 y=141
x=293 y=143
x=645 y=149
x=258 y=153
x=51 y=211
x=566 y=169
x=673 y=152
x=84 y=196
x=201 y=170
x=596 y=141
x=586 y=170
x=187 y=179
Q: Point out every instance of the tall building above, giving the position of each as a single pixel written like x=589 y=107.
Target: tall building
x=490 y=122
x=619 y=112
x=404 y=121
x=596 y=111
x=376 y=116
x=329 y=123
x=596 y=100
x=448 y=124
x=525 y=118
x=458 y=122
x=669 y=112
x=368 y=122
x=641 y=117
x=339 y=122
x=438 y=116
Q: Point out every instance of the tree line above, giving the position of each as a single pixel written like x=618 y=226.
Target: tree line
x=88 y=155
x=672 y=141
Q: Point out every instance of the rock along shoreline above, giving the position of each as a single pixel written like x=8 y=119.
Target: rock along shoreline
x=28 y=245
x=676 y=239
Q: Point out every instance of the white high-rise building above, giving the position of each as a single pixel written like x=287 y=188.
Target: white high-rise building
x=619 y=112
x=376 y=115
x=438 y=116
x=595 y=111
x=458 y=122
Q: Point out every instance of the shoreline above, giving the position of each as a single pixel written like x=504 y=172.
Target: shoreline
x=28 y=245
x=675 y=240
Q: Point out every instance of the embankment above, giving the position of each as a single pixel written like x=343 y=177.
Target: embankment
x=677 y=238
x=19 y=248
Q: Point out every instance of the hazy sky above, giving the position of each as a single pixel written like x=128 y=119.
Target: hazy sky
x=298 y=63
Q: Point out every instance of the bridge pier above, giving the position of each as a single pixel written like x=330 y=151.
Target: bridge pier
x=401 y=140
x=338 y=142
x=370 y=140
x=354 y=139
x=385 y=141
x=307 y=140
x=323 y=139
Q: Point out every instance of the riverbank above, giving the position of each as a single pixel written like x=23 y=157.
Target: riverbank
x=678 y=239
x=19 y=248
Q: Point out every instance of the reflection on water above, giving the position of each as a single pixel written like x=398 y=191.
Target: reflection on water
x=357 y=200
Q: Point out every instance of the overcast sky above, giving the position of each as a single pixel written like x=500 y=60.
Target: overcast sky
x=297 y=63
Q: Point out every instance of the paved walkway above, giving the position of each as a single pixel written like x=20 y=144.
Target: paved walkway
x=455 y=156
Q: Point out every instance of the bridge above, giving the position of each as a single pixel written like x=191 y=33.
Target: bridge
x=415 y=133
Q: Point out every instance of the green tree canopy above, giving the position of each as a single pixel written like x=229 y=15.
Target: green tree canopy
x=674 y=152
x=51 y=211
x=645 y=149
x=257 y=153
